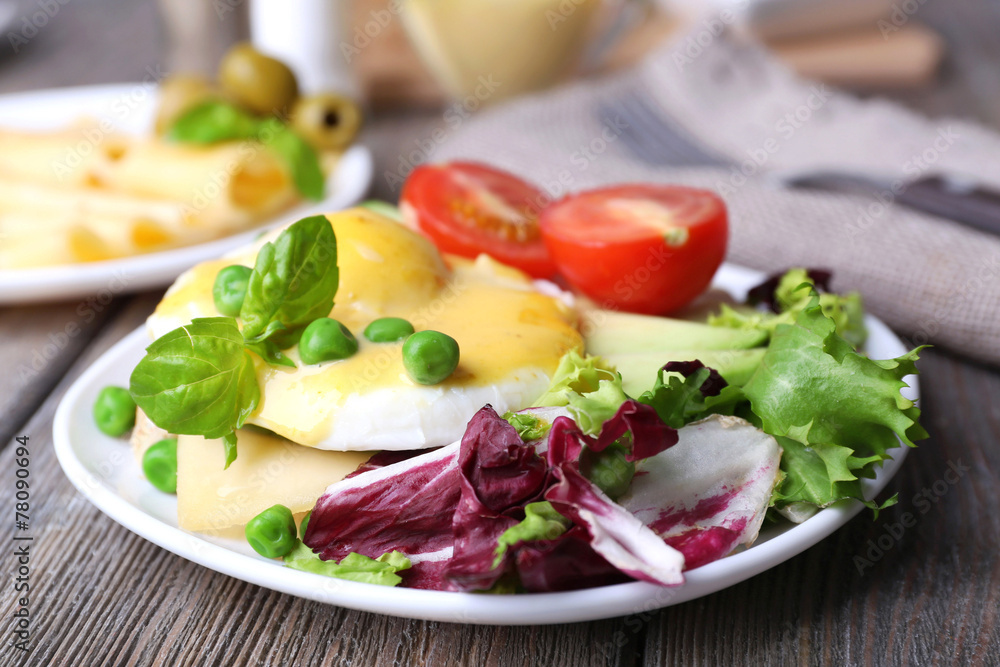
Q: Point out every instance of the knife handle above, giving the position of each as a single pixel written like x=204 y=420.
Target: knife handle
x=974 y=205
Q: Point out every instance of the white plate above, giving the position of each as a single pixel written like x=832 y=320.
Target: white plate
x=104 y=471
x=131 y=108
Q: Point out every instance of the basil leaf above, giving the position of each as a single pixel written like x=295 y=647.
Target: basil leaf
x=269 y=352
x=229 y=442
x=212 y=122
x=197 y=379
x=299 y=157
x=294 y=280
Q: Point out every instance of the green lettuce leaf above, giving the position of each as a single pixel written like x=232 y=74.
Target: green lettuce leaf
x=575 y=374
x=353 y=567
x=678 y=400
x=528 y=426
x=589 y=387
x=836 y=412
x=541 y=522
x=793 y=294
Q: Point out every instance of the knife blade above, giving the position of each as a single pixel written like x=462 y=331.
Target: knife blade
x=957 y=198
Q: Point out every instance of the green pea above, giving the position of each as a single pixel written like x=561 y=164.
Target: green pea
x=114 y=411
x=388 y=330
x=608 y=469
x=272 y=533
x=230 y=289
x=430 y=356
x=159 y=465
x=326 y=339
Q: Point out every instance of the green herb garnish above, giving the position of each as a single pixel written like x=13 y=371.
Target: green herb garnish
x=215 y=121
x=200 y=379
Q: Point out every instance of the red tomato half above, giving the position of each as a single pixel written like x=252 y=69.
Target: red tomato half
x=468 y=208
x=642 y=248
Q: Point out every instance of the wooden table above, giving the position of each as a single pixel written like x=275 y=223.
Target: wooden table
x=101 y=595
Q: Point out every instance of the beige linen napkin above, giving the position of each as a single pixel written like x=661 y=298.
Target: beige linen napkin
x=727 y=116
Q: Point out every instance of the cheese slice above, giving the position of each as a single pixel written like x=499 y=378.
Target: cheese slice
x=268 y=471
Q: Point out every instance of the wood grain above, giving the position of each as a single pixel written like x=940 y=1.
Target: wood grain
x=101 y=595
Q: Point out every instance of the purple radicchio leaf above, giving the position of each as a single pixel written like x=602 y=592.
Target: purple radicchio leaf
x=565 y=563
x=650 y=435
x=407 y=506
x=713 y=384
x=708 y=494
x=615 y=533
x=500 y=474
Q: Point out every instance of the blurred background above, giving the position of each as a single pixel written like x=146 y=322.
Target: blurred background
x=404 y=60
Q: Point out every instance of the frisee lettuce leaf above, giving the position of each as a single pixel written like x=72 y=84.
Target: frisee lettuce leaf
x=589 y=387
x=353 y=567
x=680 y=399
x=836 y=412
x=528 y=426
x=575 y=374
x=541 y=522
x=792 y=295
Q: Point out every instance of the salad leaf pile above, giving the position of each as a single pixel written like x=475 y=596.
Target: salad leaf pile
x=591 y=487
x=216 y=121
x=200 y=379
x=835 y=412
x=786 y=296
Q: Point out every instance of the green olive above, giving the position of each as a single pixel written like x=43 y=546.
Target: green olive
x=388 y=330
x=430 y=357
x=326 y=339
x=272 y=533
x=230 y=289
x=114 y=411
x=159 y=464
x=258 y=82
x=329 y=122
x=180 y=93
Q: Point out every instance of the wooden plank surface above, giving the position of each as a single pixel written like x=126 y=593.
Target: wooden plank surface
x=101 y=595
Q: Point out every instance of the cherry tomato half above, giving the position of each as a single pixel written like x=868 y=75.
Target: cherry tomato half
x=468 y=208
x=642 y=248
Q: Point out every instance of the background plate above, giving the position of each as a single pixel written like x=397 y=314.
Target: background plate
x=130 y=108
x=106 y=473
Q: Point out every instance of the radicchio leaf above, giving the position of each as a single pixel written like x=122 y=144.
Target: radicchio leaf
x=615 y=533
x=565 y=563
x=709 y=493
x=407 y=507
x=500 y=474
x=650 y=435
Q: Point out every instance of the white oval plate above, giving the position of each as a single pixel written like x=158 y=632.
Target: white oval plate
x=104 y=470
x=131 y=108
